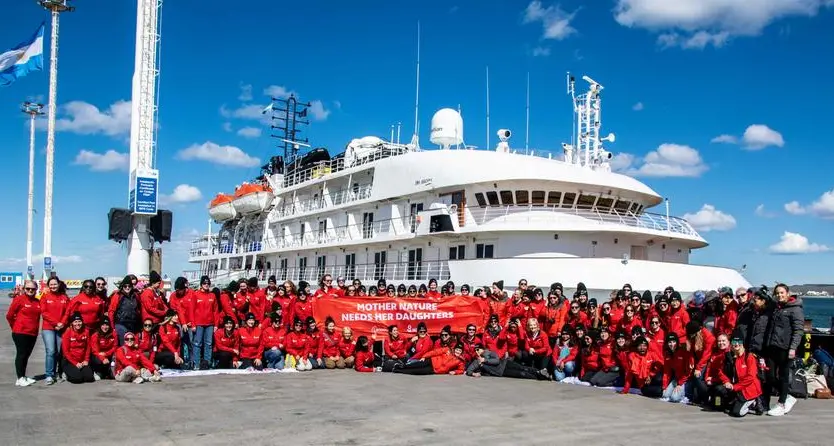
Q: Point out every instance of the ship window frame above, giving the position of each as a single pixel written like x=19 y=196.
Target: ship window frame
x=484 y=251
x=302 y=268
x=602 y=206
x=557 y=195
x=620 y=210
x=504 y=200
x=537 y=201
x=565 y=203
x=522 y=197
x=492 y=198
x=583 y=202
x=633 y=208
x=479 y=197
x=457 y=252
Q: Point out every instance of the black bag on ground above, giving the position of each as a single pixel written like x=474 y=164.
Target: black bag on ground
x=389 y=364
x=828 y=371
x=798 y=384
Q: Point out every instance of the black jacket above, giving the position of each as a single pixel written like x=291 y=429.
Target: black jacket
x=753 y=324
x=492 y=365
x=787 y=325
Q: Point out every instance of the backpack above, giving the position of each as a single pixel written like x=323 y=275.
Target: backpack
x=798 y=382
x=823 y=357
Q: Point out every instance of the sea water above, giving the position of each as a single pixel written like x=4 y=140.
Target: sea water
x=820 y=310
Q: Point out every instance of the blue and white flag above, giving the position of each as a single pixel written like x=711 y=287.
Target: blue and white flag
x=22 y=59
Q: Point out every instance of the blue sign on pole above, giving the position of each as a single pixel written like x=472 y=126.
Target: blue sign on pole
x=47 y=263
x=145 y=191
x=30 y=270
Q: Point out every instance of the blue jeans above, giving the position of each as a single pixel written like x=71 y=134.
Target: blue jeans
x=673 y=395
x=52 y=345
x=120 y=334
x=186 y=348
x=570 y=366
x=274 y=359
x=203 y=339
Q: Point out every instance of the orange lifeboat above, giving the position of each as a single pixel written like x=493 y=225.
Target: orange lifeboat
x=221 y=208
x=250 y=198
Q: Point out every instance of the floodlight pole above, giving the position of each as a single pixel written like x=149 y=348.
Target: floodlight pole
x=33 y=110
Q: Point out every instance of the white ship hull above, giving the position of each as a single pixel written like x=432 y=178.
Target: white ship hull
x=253 y=202
x=222 y=212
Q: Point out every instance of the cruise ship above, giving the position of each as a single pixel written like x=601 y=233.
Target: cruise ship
x=382 y=209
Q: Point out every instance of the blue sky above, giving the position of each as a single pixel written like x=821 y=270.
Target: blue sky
x=722 y=106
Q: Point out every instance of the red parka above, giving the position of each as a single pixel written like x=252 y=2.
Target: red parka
x=76 y=346
x=364 y=361
x=170 y=339
x=203 y=309
x=297 y=343
x=181 y=303
x=679 y=364
x=347 y=347
x=132 y=357
x=53 y=310
x=421 y=347
x=91 y=308
x=726 y=323
x=497 y=343
x=104 y=346
x=250 y=342
x=395 y=347
x=152 y=305
x=24 y=314
x=329 y=345
x=641 y=367
x=224 y=342
x=747 y=379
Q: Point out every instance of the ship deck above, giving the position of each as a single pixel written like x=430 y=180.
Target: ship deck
x=348 y=408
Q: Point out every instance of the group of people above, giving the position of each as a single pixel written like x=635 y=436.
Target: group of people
x=724 y=349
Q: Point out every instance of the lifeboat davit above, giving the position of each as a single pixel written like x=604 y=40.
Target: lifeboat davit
x=250 y=198
x=221 y=208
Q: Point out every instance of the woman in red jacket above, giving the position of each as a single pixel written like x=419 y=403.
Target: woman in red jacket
x=590 y=358
x=202 y=313
x=644 y=369
x=147 y=340
x=537 y=350
x=700 y=342
x=23 y=316
x=609 y=369
x=104 y=346
x=740 y=383
x=347 y=347
x=677 y=369
x=54 y=303
x=725 y=322
x=76 y=349
x=227 y=345
x=250 y=344
x=328 y=351
x=88 y=304
x=469 y=340
x=564 y=355
x=656 y=336
x=420 y=344
x=297 y=344
x=170 y=342
x=629 y=320
x=495 y=338
x=365 y=357
x=576 y=316
x=440 y=361
x=132 y=365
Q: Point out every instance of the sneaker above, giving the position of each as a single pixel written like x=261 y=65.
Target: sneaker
x=685 y=400
x=20 y=382
x=789 y=402
x=49 y=381
x=63 y=377
x=96 y=376
x=138 y=380
x=155 y=378
x=29 y=381
x=745 y=408
x=664 y=399
x=777 y=411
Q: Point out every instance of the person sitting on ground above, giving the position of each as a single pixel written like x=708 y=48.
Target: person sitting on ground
x=564 y=355
x=439 y=361
x=272 y=340
x=250 y=344
x=489 y=363
x=677 y=369
x=644 y=370
x=590 y=362
x=701 y=343
x=104 y=345
x=132 y=365
x=420 y=344
x=147 y=340
x=347 y=347
x=170 y=342
x=76 y=349
x=706 y=389
x=495 y=338
x=537 y=350
x=365 y=359
x=328 y=351
x=395 y=346
x=296 y=345
x=469 y=340
x=609 y=370
x=740 y=383
x=227 y=345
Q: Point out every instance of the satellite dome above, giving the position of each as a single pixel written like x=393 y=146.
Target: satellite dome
x=446 y=128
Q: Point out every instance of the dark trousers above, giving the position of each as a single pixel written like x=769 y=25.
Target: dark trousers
x=77 y=375
x=223 y=360
x=600 y=378
x=654 y=389
x=103 y=369
x=422 y=367
x=24 y=344
x=515 y=370
x=778 y=376
x=536 y=361
x=166 y=359
x=246 y=363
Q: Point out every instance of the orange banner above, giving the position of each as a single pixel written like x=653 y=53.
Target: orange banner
x=372 y=316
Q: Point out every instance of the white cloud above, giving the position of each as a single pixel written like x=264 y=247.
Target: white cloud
x=217 y=154
x=183 y=193
x=86 y=119
x=710 y=219
x=794 y=208
x=227 y=126
x=725 y=139
x=247 y=111
x=822 y=207
x=337 y=105
x=638 y=106
x=249 y=132
x=245 y=92
x=697 y=24
x=793 y=243
x=279 y=92
x=762 y=212
x=669 y=160
x=555 y=22
x=318 y=111
x=759 y=136
x=541 y=51
x=38 y=258
x=103 y=162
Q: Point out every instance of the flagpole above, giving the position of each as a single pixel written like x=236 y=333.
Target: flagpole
x=33 y=110
x=56 y=7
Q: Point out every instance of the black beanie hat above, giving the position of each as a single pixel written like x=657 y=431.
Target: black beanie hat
x=250 y=315
x=637 y=330
x=581 y=286
x=170 y=313
x=272 y=279
x=252 y=282
x=566 y=330
x=493 y=317
x=76 y=317
x=620 y=334
x=676 y=296
x=105 y=321
x=154 y=277
x=179 y=284
x=227 y=319
x=647 y=297
x=205 y=280
x=310 y=320
x=692 y=328
x=275 y=317
x=641 y=340
x=557 y=286
x=499 y=284
x=126 y=281
x=672 y=337
x=233 y=286
x=446 y=329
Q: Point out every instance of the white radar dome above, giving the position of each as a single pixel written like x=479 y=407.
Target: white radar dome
x=446 y=128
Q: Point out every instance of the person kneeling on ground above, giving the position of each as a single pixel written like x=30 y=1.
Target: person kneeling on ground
x=564 y=355
x=297 y=343
x=170 y=340
x=328 y=352
x=439 y=361
x=272 y=340
x=740 y=387
x=488 y=363
x=227 y=345
x=643 y=369
x=677 y=369
x=365 y=359
x=132 y=365
x=76 y=349
x=250 y=344
x=104 y=345
x=347 y=347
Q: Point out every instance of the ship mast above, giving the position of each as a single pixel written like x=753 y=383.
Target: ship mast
x=586 y=145
x=289 y=116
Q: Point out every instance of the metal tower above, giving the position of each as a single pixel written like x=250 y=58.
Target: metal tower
x=33 y=110
x=289 y=115
x=144 y=178
x=56 y=7
x=587 y=108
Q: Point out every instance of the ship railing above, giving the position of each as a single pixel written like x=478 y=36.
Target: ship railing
x=369 y=273
x=338 y=234
x=533 y=213
x=324 y=168
x=337 y=198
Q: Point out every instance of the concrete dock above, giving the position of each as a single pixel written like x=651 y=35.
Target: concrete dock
x=349 y=408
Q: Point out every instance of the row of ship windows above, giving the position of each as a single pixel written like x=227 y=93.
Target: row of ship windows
x=555 y=199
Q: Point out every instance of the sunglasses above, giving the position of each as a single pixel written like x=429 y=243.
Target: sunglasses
x=147 y=325
x=87 y=287
x=471 y=329
x=444 y=335
x=130 y=339
x=422 y=331
x=574 y=308
x=606 y=308
x=655 y=323
x=101 y=284
x=740 y=295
